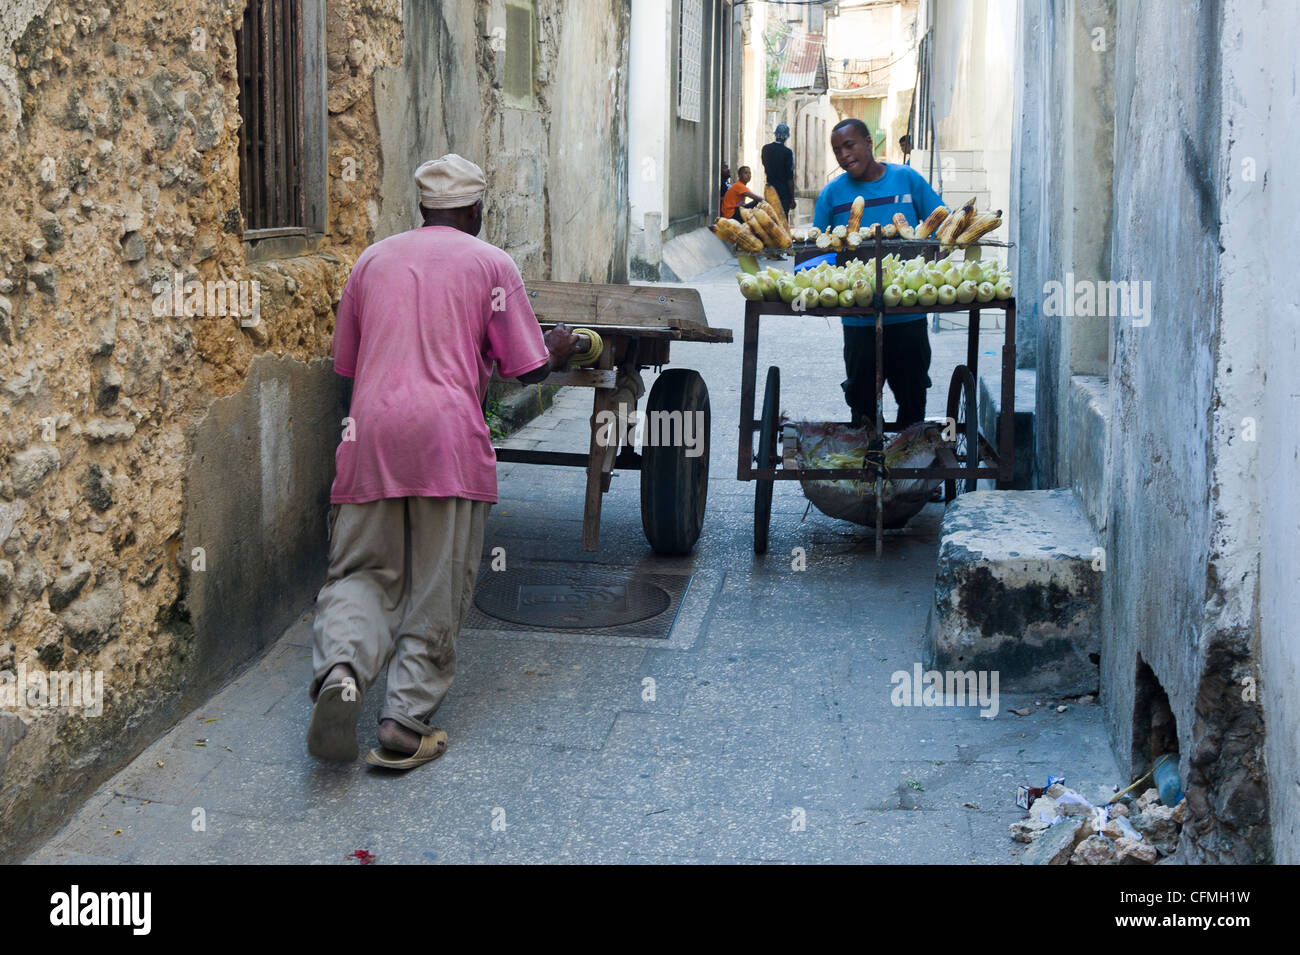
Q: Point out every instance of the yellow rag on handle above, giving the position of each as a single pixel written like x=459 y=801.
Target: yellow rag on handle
x=592 y=353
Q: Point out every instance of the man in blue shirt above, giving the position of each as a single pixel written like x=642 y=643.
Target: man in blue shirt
x=887 y=188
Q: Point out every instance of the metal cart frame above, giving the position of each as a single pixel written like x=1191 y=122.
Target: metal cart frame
x=983 y=460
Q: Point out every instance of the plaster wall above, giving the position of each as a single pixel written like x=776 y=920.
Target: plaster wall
x=558 y=171
x=973 y=67
x=1257 y=538
x=119 y=135
x=1197 y=543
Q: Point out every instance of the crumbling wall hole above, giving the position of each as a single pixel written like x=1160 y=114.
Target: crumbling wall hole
x=1155 y=729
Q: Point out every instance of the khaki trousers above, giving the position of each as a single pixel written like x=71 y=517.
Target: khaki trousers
x=401 y=580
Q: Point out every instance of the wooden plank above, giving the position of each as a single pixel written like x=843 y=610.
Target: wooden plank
x=572 y=459
x=583 y=303
x=671 y=334
x=595 y=464
x=570 y=302
x=582 y=378
x=577 y=377
x=650 y=305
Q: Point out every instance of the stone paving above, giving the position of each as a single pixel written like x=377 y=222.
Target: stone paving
x=770 y=737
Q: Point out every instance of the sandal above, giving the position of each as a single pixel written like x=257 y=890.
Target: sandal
x=332 y=734
x=431 y=747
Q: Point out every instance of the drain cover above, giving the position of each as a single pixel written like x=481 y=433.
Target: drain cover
x=578 y=599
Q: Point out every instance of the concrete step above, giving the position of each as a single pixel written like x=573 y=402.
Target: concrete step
x=967 y=181
x=958 y=160
x=1017 y=591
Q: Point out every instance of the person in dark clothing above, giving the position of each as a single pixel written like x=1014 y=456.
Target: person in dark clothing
x=887 y=188
x=778 y=168
x=906 y=353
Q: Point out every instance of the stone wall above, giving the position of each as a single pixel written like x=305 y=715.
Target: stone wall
x=163 y=479
x=119 y=130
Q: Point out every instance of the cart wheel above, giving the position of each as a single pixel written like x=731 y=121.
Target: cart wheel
x=962 y=407
x=766 y=457
x=674 y=486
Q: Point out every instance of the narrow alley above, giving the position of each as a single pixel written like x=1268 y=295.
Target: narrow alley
x=963 y=532
x=770 y=734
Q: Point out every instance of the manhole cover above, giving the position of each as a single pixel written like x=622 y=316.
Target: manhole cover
x=582 y=598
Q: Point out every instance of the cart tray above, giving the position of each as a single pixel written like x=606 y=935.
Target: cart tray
x=850 y=500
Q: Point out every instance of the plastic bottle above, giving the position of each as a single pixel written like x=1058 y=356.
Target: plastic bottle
x=1165 y=776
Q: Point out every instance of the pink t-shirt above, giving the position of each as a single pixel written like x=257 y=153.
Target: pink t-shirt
x=423 y=316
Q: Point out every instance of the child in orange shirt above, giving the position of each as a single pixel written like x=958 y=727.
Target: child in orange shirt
x=738 y=194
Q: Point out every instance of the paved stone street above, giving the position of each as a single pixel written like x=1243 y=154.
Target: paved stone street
x=771 y=735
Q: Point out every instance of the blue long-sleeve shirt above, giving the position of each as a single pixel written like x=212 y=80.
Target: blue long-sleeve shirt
x=900 y=189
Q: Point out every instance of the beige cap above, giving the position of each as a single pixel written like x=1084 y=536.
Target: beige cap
x=450 y=182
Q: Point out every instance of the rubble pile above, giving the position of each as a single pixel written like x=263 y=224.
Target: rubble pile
x=1064 y=828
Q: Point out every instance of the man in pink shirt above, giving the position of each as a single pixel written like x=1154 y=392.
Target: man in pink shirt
x=423 y=317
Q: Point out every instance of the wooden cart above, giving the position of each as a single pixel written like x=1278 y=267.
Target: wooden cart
x=972 y=456
x=637 y=324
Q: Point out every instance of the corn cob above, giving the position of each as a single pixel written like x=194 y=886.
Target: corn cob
x=984 y=222
x=732 y=231
x=751 y=223
x=890 y=231
x=759 y=228
x=903 y=226
x=824 y=241
x=777 y=212
x=766 y=216
x=854 y=240
x=855 y=214
x=840 y=231
x=956 y=223
x=761 y=224
x=924 y=230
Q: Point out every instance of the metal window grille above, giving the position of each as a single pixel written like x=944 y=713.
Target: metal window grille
x=269 y=60
x=520 y=66
x=689 y=52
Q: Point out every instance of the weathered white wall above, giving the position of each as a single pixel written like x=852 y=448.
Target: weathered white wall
x=1061 y=180
x=647 y=113
x=557 y=172
x=972 y=75
x=754 y=131
x=1258 y=357
x=1201 y=548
